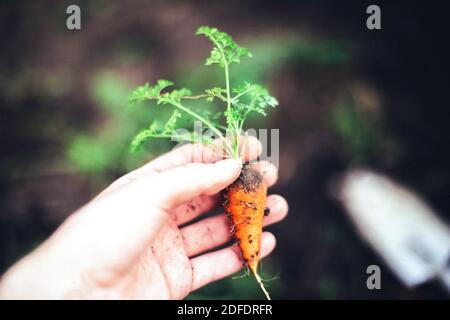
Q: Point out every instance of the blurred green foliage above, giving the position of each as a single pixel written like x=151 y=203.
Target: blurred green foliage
x=359 y=132
x=105 y=150
x=328 y=288
x=363 y=135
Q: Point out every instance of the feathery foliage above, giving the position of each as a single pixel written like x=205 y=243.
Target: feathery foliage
x=239 y=101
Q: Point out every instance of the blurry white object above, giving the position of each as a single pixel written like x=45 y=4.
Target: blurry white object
x=399 y=226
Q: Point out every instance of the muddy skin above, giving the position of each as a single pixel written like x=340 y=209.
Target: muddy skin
x=248 y=220
x=249 y=179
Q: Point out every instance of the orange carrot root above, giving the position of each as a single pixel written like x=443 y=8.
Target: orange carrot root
x=245 y=203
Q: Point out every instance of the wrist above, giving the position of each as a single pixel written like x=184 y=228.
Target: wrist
x=37 y=277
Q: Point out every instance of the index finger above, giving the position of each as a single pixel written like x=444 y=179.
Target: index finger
x=249 y=146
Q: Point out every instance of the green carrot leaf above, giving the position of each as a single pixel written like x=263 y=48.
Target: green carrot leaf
x=144 y=135
x=225 y=50
x=146 y=92
x=173 y=97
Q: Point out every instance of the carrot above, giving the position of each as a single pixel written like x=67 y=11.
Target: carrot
x=245 y=204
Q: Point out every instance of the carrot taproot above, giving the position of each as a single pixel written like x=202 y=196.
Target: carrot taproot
x=245 y=203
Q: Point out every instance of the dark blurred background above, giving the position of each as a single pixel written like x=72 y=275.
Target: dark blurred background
x=348 y=97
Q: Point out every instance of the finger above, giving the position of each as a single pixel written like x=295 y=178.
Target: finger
x=194 y=208
x=268 y=170
x=215 y=231
x=222 y=263
x=250 y=149
x=178 y=185
x=249 y=146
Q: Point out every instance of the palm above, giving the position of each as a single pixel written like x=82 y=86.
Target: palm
x=165 y=268
x=173 y=264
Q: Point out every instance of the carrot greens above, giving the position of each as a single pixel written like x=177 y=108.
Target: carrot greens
x=239 y=101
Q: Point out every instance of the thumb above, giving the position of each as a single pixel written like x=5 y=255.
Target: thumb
x=181 y=184
x=122 y=223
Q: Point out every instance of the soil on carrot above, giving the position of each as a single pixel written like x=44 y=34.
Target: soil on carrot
x=249 y=179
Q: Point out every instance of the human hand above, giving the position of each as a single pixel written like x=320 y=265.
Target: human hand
x=135 y=239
